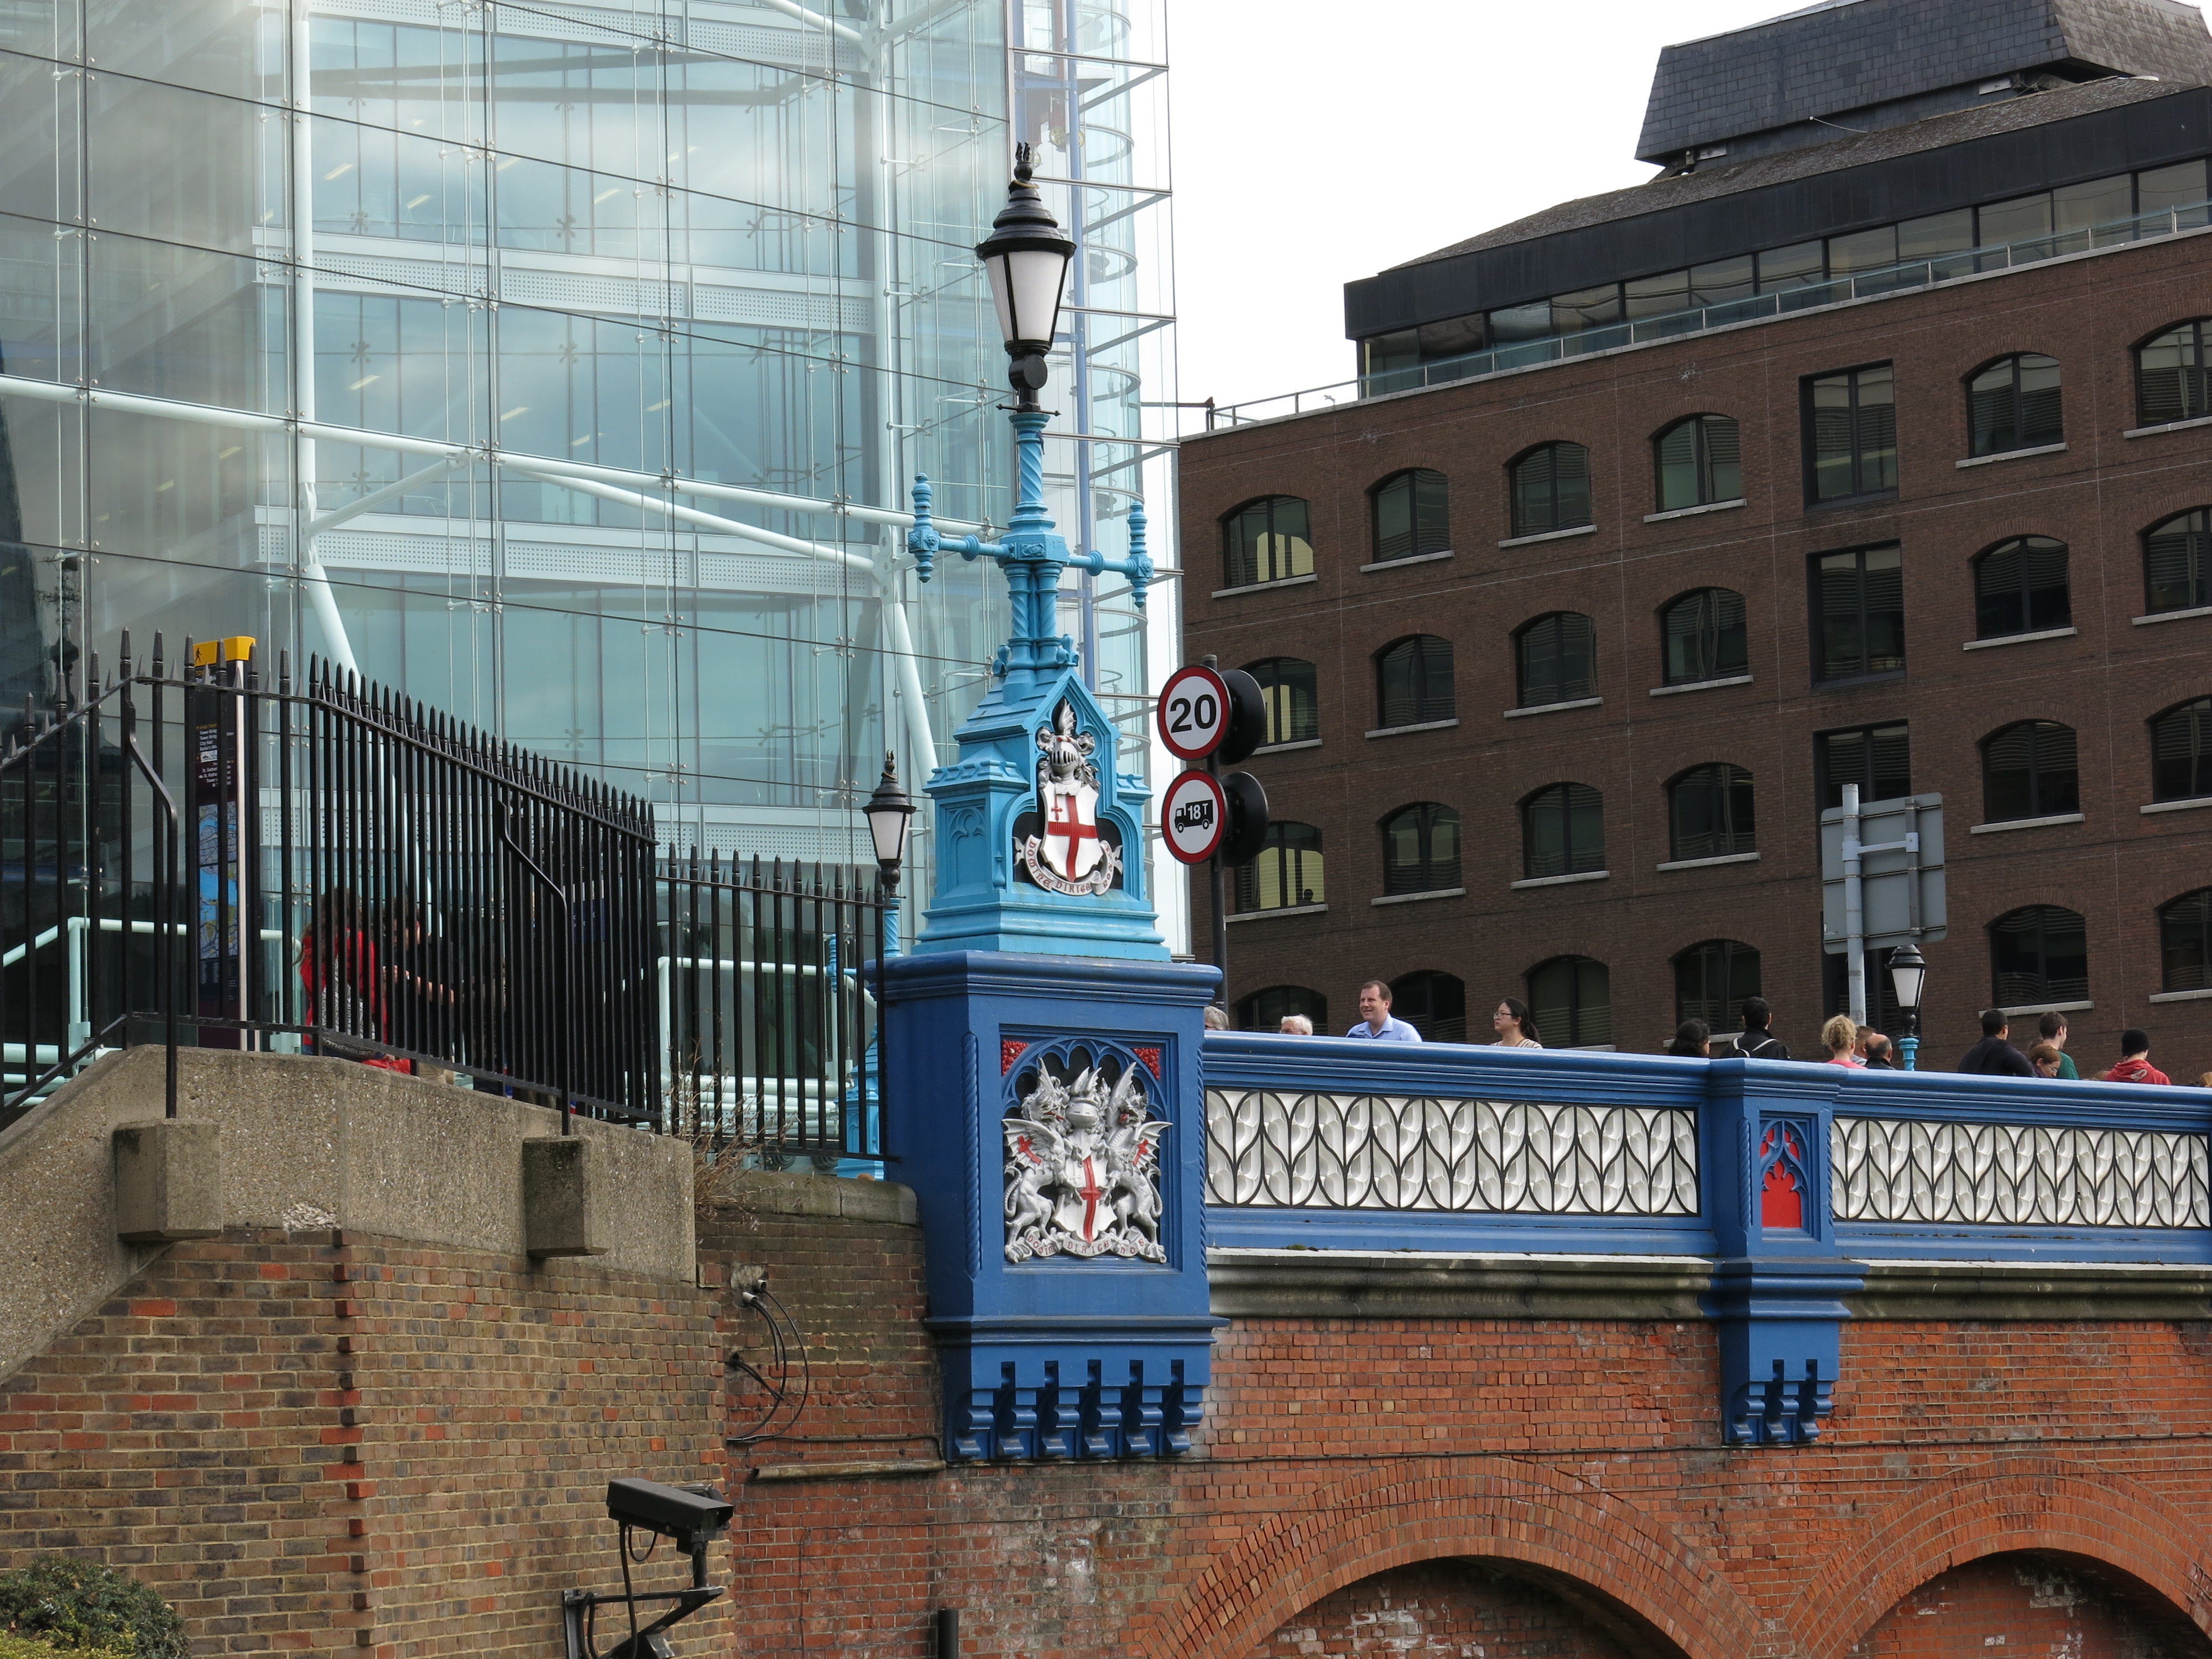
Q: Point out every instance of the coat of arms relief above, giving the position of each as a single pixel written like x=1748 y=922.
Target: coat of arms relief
x=1082 y=1168
x=1068 y=855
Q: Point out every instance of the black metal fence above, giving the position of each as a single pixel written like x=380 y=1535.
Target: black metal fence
x=198 y=857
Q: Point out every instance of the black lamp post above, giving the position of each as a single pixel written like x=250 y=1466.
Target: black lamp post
x=890 y=813
x=1908 y=973
x=1026 y=255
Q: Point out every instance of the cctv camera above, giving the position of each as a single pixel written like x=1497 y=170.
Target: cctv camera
x=692 y=1515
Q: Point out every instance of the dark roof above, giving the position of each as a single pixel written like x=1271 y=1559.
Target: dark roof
x=1886 y=58
x=1668 y=190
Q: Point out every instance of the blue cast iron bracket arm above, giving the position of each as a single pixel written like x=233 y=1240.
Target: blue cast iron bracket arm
x=1032 y=555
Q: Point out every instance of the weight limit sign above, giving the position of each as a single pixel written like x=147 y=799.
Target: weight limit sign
x=1194 y=713
x=1193 y=814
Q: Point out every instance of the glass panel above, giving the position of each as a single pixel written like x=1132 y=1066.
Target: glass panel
x=184 y=167
x=1570 y=1003
x=1937 y=233
x=38 y=166
x=1724 y=444
x=1592 y=308
x=2039 y=954
x=234 y=47
x=1885 y=609
x=1678 y=467
x=2098 y=202
x=2015 y=221
x=2181 y=752
x=183 y=323
x=2161 y=189
x=1385 y=353
x=1876 y=429
x=1877 y=758
x=1528 y=322
x=1723 y=281
x=2178 y=562
x=1834 y=475
x=1862 y=250
x=1455 y=337
x=1658 y=296
x=1800 y=265
x=2185 y=937
x=1712 y=980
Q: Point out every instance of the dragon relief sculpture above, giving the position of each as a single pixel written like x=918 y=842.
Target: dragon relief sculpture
x=1083 y=1169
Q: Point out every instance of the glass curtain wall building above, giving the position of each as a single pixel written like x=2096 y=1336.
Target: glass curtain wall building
x=564 y=366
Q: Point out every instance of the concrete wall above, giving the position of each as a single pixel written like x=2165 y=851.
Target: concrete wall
x=307 y=1144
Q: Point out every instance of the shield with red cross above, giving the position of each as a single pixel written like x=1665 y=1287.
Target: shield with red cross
x=1069 y=839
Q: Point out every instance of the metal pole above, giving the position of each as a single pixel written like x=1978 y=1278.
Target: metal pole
x=1218 y=876
x=1854 y=907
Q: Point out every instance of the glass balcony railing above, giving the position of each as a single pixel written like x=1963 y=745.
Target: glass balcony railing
x=1835 y=290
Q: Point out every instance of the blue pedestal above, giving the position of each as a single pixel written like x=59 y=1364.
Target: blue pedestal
x=1779 y=1285
x=1071 y=1312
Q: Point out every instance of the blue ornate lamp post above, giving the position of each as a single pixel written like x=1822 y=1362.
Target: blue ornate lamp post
x=1048 y=1113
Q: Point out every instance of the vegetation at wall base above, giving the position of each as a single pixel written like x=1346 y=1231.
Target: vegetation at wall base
x=61 y=1605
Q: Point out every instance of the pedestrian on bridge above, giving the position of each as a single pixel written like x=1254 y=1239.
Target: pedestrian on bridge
x=2134 y=1065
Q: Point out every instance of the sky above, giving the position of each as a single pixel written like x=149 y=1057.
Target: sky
x=1316 y=143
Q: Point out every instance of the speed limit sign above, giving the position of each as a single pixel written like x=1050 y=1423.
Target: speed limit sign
x=1194 y=713
x=1193 y=815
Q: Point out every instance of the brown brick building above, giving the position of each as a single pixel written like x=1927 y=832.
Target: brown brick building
x=1949 y=536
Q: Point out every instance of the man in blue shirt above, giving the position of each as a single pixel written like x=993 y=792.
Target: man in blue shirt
x=1375 y=1020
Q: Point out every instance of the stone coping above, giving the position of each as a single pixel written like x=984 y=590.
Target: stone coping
x=1291 y=1283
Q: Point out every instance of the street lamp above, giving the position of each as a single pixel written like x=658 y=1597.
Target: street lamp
x=1026 y=256
x=890 y=813
x=1908 y=971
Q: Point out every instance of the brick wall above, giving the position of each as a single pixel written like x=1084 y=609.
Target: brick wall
x=316 y=1444
x=323 y=1443
x=2106 y=680
x=1344 y=1463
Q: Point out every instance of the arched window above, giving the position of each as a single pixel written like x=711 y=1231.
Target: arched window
x=1705 y=635
x=2185 y=942
x=2029 y=771
x=1700 y=461
x=2181 y=752
x=2178 y=562
x=1570 y=1000
x=2013 y=403
x=1263 y=1010
x=1287 y=873
x=2171 y=379
x=1562 y=831
x=1413 y=682
x=2020 y=587
x=1421 y=849
x=1711 y=980
x=1412 y=515
x=1269 y=540
x=1709 y=813
x=1551 y=489
x=2039 y=954
x=1556 y=657
x=1433 y=1004
x=1290 y=686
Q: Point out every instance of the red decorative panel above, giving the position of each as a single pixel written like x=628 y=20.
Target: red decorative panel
x=1781 y=1195
x=1152 y=1059
x=1010 y=1050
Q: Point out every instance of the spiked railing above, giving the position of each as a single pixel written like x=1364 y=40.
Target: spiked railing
x=331 y=868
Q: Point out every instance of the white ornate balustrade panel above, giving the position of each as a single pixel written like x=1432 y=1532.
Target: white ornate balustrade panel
x=1416 y=1153
x=2017 y=1174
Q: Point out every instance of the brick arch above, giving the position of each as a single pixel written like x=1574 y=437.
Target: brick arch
x=1224 y=1606
x=2039 y=1504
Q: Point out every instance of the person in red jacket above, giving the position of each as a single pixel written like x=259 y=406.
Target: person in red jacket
x=2134 y=1065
